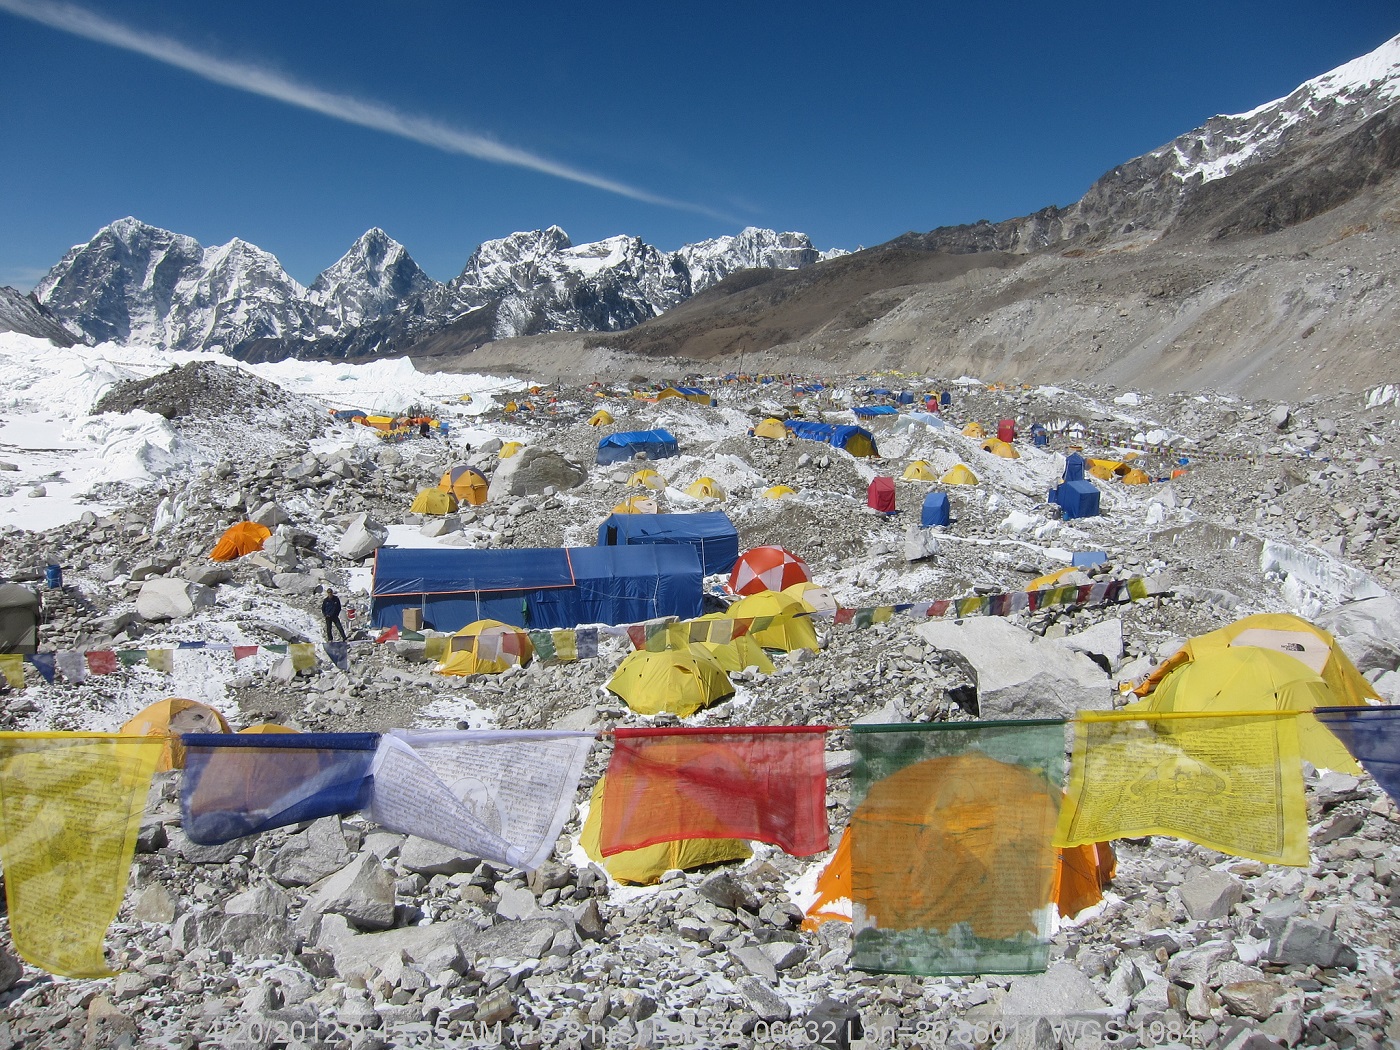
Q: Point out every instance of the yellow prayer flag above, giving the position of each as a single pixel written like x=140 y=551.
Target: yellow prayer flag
x=565 y=646
x=435 y=648
x=882 y=614
x=12 y=667
x=70 y=810
x=303 y=656
x=161 y=659
x=1231 y=781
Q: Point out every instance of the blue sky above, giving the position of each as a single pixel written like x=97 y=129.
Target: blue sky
x=852 y=123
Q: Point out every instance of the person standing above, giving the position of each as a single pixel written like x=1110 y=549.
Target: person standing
x=330 y=609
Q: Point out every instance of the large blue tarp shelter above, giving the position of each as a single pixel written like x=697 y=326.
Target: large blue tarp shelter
x=936 y=510
x=657 y=444
x=857 y=440
x=1077 y=499
x=711 y=533
x=536 y=588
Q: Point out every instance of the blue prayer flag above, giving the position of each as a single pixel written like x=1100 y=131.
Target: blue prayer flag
x=43 y=663
x=240 y=784
x=1372 y=735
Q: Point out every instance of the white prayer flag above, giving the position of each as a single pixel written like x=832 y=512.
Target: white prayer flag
x=502 y=796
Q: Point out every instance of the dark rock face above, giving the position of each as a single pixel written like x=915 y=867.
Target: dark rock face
x=26 y=315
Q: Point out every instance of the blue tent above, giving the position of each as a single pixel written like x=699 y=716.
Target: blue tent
x=1077 y=499
x=875 y=410
x=1074 y=467
x=711 y=533
x=905 y=397
x=879 y=391
x=657 y=444
x=1040 y=437
x=936 y=510
x=856 y=440
x=536 y=588
x=945 y=399
x=1086 y=559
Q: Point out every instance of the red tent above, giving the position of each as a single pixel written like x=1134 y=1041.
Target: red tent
x=1006 y=430
x=881 y=495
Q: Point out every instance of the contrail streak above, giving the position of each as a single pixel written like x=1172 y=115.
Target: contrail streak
x=84 y=23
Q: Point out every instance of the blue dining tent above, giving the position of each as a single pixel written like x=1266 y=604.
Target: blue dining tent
x=711 y=533
x=536 y=587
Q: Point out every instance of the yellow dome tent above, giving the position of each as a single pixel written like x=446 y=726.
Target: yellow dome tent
x=600 y=418
x=245 y=537
x=1136 y=477
x=919 y=470
x=974 y=430
x=790 y=632
x=433 y=501
x=705 y=488
x=959 y=475
x=646 y=478
x=637 y=505
x=466 y=483
x=1105 y=469
x=815 y=597
x=997 y=447
x=772 y=429
x=510 y=448
x=1251 y=678
x=645 y=866
x=675 y=681
x=742 y=652
x=265 y=728
x=486 y=647
x=1285 y=633
x=168 y=719
x=778 y=492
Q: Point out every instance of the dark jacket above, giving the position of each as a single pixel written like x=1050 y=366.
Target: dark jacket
x=330 y=608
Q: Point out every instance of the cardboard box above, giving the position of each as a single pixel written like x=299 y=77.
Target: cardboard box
x=413 y=619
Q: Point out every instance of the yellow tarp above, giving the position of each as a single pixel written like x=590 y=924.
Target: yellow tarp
x=1050 y=578
x=166 y=719
x=787 y=633
x=1347 y=684
x=959 y=475
x=70 y=811
x=676 y=681
x=245 y=537
x=1233 y=784
x=1249 y=678
x=1105 y=469
x=433 y=501
x=919 y=471
x=645 y=866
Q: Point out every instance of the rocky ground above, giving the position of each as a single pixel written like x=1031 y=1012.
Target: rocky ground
x=340 y=934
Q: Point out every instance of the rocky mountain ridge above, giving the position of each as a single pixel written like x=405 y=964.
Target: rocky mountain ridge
x=137 y=283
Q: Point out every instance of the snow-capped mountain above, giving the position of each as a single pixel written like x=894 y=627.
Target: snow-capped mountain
x=138 y=283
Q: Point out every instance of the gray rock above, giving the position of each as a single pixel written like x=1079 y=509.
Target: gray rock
x=1105 y=639
x=441 y=526
x=362 y=891
x=297 y=583
x=270 y=515
x=1017 y=674
x=516 y=902
x=1254 y=999
x=433 y=858
x=250 y=936
x=154 y=905
x=164 y=598
x=313 y=854
x=1306 y=943
x=1210 y=894
x=531 y=471
x=919 y=543
x=1062 y=991
x=281 y=549
x=11 y=970
x=1279 y=416
x=768 y=1004
x=756 y=962
x=263 y=899
x=363 y=536
x=198 y=854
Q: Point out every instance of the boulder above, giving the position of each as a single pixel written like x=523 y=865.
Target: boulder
x=270 y=515
x=426 y=857
x=1302 y=942
x=280 y=548
x=165 y=598
x=533 y=470
x=1103 y=639
x=363 y=536
x=313 y=854
x=266 y=899
x=1060 y=992
x=919 y=543
x=362 y=891
x=1017 y=674
x=441 y=526
x=1368 y=630
x=1210 y=894
x=11 y=970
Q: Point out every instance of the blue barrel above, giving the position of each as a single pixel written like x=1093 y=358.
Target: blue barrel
x=53 y=577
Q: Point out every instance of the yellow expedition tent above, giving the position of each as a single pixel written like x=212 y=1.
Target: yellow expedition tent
x=637 y=505
x=486 y=647
x=959 y=475
x=466 y=483
x=239 y=539
x=675 y=681
x=168 y=719
x=705 y=488
x=790 y=631
x=919 y=470
x=647 y=478
x=510 y=448
x=778 y=492
x=433 y=501
x=998 y=447
x=742 y=652
x=600 y=418
x=974 y=430
x=772 y=429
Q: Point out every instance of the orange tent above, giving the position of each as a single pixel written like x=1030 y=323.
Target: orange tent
x=243 y=538
x=168 y=719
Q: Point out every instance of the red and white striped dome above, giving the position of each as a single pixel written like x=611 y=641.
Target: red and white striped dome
x=767 y=569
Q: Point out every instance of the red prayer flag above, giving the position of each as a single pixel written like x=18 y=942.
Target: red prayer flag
x=102 y=661
x=845 y=615
x=766 y=783
x=241 y=652
x=390 y=635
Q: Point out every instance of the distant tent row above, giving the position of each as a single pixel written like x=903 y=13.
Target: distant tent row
x=657 y=444
x=856 y=440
